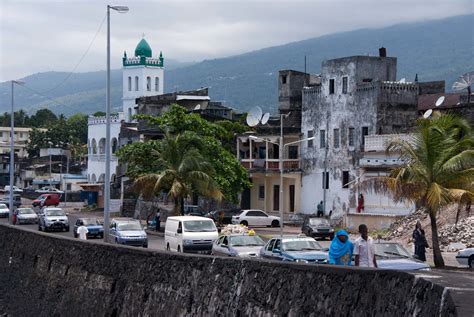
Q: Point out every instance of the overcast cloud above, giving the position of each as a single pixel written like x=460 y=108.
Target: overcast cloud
x=38 y=36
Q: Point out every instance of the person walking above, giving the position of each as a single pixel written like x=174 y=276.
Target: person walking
x=364 y=250
x=340 y=251
x=419 y=240
x=320 y=209
x=157 y=220
x=82 y=232
x=360 y=203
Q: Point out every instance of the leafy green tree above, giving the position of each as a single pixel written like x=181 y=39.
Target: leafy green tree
x=183 y=170
x=42 y=118
x=438 y=169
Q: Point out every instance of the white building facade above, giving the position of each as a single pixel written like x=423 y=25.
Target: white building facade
x=142 y=75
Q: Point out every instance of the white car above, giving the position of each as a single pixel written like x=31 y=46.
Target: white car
x=255 y=217
x=48 y=190
x=4 y=211
x=466 y=257
x=16 y=190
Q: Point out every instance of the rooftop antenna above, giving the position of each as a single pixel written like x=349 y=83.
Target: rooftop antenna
x=465 y=82
x=440 y=101
x=254 y=116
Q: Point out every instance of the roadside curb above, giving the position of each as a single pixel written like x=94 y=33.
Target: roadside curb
x=154 y=233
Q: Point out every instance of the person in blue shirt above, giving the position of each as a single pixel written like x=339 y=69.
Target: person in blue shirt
x=340 y=251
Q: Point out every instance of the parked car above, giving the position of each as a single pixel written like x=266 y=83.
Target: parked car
x=255 y=217
x=466 y=257
x=4 y=211
x=228 y=214
x=391 y=255
x=317 y=227
x=25 y=216
x=95 y=227
x=193 y=210
x=299 y=249
x=238 y=245
x=190 y=234
x=49 y=190
x=16 y=190
x=128 y=232
x=46 y=200
x=16 y=200
x=51 y=218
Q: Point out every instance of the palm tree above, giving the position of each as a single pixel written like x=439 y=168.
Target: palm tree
x=183 y=171
x=438 y=169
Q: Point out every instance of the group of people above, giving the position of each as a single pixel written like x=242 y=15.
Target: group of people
x=342 y=249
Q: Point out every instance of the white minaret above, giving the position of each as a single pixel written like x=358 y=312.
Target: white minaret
x=143 y=75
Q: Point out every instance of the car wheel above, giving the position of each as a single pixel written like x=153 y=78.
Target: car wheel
x=275 y=223
x=244 y=223
x=145 y=246
x=470 y=262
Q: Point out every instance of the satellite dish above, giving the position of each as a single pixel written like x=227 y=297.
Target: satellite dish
x=198 y=107
x=440 y=101
x=254 y=116
x=265 y=118
x=402 y=81
x=251 y=121
x=427 y=113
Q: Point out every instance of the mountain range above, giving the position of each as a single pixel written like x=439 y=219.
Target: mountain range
x=435 y=50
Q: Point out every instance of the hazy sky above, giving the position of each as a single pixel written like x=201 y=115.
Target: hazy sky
x=38 y=35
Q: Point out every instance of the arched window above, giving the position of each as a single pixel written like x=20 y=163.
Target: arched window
x=102 y=146
x=148 y=83
x=101 y=178
x=136 y=83
x=129 y=114
x=89 y=146
x=129 y=83
x=157 y=84
x=93 y=179
x=94 y=147
x=114 y=145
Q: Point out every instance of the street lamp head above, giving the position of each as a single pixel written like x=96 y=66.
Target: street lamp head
x=311 y=138
x=119 y=9
x=18 y=82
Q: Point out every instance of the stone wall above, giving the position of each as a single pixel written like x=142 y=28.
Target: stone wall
x=47 y=275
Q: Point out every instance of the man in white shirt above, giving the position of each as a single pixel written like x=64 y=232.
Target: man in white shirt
x=82 y=232
x=364 y=249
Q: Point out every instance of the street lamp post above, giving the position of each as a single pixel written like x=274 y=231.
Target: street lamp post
x=282 y=146
x=12 y=152
x=120 y=9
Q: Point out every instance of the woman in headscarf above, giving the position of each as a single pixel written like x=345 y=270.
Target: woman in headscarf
x=420 y=242
x=340 y=252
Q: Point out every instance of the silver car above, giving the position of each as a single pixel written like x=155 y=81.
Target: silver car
x=25 y=215
x=128 y=232
x=238 y=245
x=4 y=211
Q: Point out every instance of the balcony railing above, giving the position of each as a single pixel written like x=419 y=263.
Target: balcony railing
x=379 y=142
x=101 y=157
x=270 y=164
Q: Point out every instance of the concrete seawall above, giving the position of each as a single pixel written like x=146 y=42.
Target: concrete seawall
x=46 y=275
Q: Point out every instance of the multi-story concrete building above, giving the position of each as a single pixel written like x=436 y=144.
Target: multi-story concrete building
x=358 y=97
x=21 y=138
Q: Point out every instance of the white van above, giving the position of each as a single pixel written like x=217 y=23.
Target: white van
x=190 y=234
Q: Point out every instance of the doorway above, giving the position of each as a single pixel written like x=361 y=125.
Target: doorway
x=276 y=197
x=292 y=198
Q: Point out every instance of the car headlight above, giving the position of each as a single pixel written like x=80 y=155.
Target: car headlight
x=187 y=241
x=301 y=261
x=425 y=269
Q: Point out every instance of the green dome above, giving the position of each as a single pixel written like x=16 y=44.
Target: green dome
x=143 y=49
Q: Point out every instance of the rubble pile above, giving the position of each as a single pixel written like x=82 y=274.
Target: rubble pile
x=403 y=228
x=463 y=232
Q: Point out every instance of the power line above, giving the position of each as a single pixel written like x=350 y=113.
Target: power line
x=43 y=95
x=80 y=60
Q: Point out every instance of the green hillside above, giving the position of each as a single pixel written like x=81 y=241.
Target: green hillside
x=436 y=50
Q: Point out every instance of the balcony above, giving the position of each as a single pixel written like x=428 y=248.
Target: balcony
x=101 y=157
x=271 y=164
x=379 y=142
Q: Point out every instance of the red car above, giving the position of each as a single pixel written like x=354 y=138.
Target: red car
x=46 y=200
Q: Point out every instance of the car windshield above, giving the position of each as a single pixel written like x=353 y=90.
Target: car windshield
x=55 y=212
x=25 y=211
x=3 y=206
x=199 y=225
x=391 y=250
x=300 y=245
x=240 y=241
x=90 y=222
x=318 y=222
x=129 y=226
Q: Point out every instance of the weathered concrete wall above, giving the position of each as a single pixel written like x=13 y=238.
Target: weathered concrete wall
x=46 y=275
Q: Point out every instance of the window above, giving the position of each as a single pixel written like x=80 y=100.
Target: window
x=283 y=79
x=148 y=84
x=322 y=139
x=129 y=83
x=136 y=83
x=344 y=85
x=365 y=131
x=367 y=80
x=157 y=84
x=293 y=152
x=325 y=180
x=345 y=179
x=68 y=186
x=351 y=136
x=277 y=244
x=225 y=241
x=129 y=113
x=336 y=138
x=331 y=86
x=261 y=192
x=270 y=245
x=310 y=135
